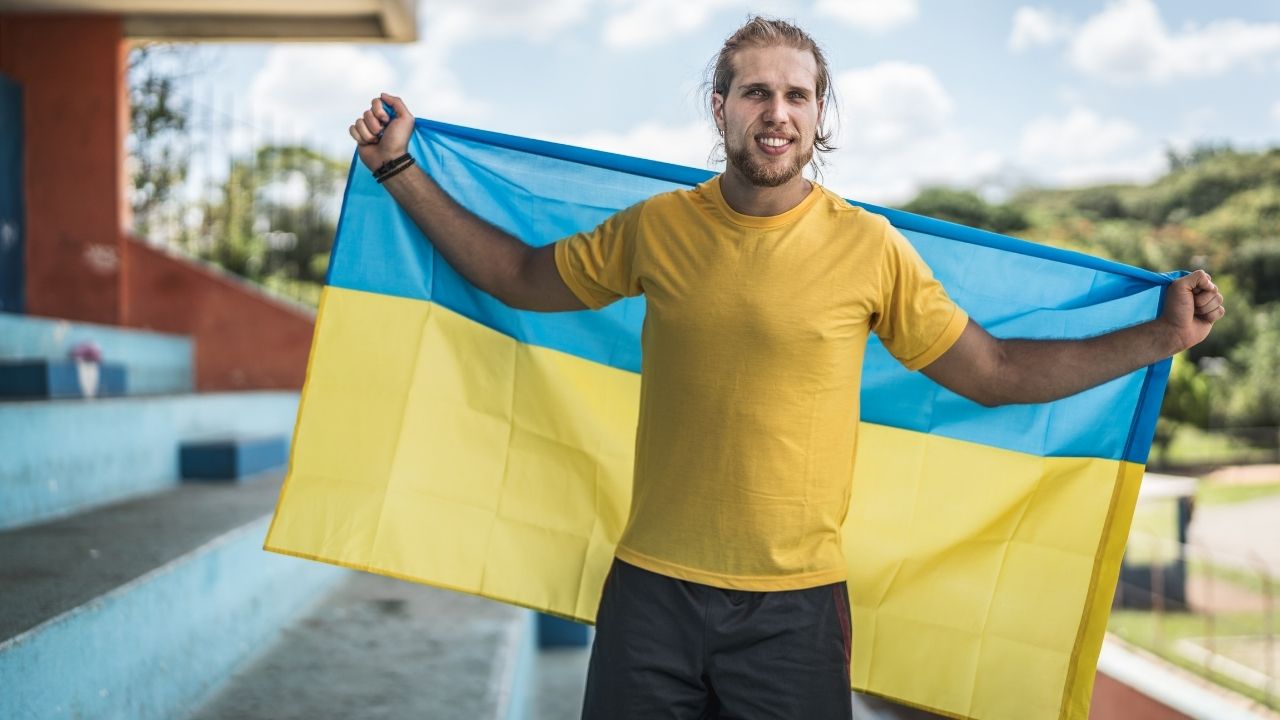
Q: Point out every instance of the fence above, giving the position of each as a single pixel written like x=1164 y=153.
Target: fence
x=1207 y=610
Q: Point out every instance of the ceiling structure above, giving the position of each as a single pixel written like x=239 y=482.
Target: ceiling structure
x=250 y=20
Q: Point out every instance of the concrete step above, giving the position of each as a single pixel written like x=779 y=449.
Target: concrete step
x=155 y=362
x=379 y=648
x=63 y=456
x=136 y=609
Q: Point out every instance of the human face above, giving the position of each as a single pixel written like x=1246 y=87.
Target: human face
x=770 y=114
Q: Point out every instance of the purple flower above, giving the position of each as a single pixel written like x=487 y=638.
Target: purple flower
x=86 y=351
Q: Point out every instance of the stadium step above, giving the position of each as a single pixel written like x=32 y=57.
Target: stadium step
x=378 y=647
x=137 y=609
x=63 y=456
x=154 y=362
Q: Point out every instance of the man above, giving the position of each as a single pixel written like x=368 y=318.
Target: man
x=727 y=597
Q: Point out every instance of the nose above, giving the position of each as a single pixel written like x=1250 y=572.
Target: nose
x=775 y=111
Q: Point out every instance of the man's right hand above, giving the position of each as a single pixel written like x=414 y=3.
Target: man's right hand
x=374 y=149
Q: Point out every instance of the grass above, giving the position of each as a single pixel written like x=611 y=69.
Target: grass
x=1220 y=494
x=1194 y=446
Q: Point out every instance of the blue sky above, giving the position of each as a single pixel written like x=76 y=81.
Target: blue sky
x=991 y=95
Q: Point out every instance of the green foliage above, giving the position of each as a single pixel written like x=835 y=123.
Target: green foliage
x=158 y=119
x=1186 y=401
x=967 y=208
x=1218 y=208
x=1250 y=385
x=1196 y=189
x=1100 y=203
x=274 y=218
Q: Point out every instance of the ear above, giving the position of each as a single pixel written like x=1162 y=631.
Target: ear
x=822 y=110
x=717 y=110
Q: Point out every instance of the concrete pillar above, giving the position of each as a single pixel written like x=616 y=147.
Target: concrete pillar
x=72 y=69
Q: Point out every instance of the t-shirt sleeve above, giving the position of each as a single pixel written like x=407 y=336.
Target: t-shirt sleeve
x=916 y=320
x=599 y=266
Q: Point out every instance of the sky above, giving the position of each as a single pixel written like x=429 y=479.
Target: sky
x=991 y=96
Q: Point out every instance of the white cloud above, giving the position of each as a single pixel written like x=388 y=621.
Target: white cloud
x=897 y=136
x=1128 y=41
x=648 y=22
x=320 y=89
x=1036 y=27
x=688 y=144
x=870 y=15
x=316 y=91
x=1083 y=147
x=453 y=24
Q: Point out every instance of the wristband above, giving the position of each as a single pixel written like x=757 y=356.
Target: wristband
x=392 y=165
x=393 y=171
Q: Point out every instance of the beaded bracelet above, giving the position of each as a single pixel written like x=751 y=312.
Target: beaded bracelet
x=392 y=166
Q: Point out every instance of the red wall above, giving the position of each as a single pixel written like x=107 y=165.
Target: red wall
x=75 y=117
x=244 y=338
x=79 y=264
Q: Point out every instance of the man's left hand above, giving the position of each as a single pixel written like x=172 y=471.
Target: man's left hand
x=1192 y=304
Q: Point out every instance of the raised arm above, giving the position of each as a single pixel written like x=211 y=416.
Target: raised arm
x=992 y=372
x=493 y=260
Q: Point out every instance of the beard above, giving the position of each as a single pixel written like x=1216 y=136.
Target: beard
x=762 y=174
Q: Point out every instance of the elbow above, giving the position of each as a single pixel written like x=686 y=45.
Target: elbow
x=989 y=397
x=998 y=382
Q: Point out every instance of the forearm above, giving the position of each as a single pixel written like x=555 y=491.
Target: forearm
x=1036 y=371
x=486 y=256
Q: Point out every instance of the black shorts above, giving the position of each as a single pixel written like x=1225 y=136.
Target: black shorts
x=668 y=648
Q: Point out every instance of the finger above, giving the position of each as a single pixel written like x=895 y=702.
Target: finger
x=1202 y=299
x=1216 y=315
x=1209 y=308
x=354 y=136
x=366 y=137
x=380 y=112
x=396 y=104
x=1200 y=280
x=371 y=122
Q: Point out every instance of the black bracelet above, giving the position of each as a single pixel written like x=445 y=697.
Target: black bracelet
x=394 y=171
x=391 y=165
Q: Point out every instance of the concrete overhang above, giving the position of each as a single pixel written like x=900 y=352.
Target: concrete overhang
x=251 y=20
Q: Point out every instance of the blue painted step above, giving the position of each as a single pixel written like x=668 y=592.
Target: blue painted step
x=558 y=632
x=59 y=379
x=232 y=458
x=139 y=609
x=62 y=456
x=155 y=362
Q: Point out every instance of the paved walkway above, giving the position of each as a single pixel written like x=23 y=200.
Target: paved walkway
x=1244 y=535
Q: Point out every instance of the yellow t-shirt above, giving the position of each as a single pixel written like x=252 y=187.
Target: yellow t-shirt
x=752 y=360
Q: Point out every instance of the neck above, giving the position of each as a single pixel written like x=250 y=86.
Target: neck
x=748 y=199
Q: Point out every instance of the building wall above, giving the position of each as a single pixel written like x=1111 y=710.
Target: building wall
x=72 y=71
x=1113 y=700
x=79 y=263
x=244 y=338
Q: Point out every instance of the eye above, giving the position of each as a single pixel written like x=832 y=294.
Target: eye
x=755 y=92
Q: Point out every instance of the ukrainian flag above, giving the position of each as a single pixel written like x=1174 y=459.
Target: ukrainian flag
x=447 y=439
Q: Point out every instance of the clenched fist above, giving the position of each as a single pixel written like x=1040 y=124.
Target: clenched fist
x=1192 y=304
x=378 y=137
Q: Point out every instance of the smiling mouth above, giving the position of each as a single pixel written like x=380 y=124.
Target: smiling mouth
x=773 y=145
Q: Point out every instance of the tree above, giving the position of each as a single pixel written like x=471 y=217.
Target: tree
x=967 y=208
x=274 y=217
x=1249 y=385
x=158 y=122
